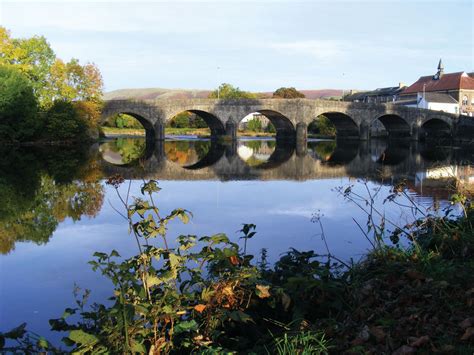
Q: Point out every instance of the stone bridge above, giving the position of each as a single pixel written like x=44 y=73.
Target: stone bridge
x=291 y=117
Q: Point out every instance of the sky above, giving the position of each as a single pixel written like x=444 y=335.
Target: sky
x=255 y=45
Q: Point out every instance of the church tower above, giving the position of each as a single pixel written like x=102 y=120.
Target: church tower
x=440 y=72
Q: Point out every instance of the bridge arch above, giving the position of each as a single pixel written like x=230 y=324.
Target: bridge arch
x=395 y=125
x=283 y=125
x=435 y=128
x=345 y=125
x=144 y=121
x=214 y=123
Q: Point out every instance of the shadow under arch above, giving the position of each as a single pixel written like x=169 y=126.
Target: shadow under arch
x=283 y=126
x=215 y=153
x=346 y=127
x=213 y=122
x=435 y=128
x=395 y=125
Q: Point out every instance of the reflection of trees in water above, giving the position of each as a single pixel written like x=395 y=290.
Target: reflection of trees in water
x=58 y=189
x=186 y=152
x=321 y=150
x=129 y=149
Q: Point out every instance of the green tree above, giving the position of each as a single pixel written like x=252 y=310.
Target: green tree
x=32 y=56
x=288 y=93
x=18 y=106
x=254 y=125
x=63 y=123
x=227 y=91
x=181 y=120
x=51 y=78
x=196 y=121
x=322 y=126
x=270 y=128
x=126 y=121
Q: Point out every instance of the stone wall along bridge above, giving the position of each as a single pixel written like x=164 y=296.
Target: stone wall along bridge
x=291 y=117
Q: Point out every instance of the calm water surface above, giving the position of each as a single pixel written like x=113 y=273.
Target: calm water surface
x=56 y=209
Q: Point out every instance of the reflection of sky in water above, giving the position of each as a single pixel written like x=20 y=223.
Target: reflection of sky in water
x=37 y=281
x=281 y=210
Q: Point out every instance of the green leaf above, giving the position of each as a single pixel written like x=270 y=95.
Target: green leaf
x=240 y=316
x=175 y=261
x=42 y=343
x=150 y=187
x=185 y=326
x=219 y=238
x=82 y=338
x=152 y=280
x=138 y=348
x=114 y=253
x=68 y=312
x=16 y=333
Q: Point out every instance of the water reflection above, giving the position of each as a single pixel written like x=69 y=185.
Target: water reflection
x=272 y=160
x=255 y=152
x=38 y=192
x=40 y=188
x=187 y=152
x=47 y=193
x=123 y=151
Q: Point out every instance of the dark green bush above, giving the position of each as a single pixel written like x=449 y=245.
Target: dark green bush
x=18 y=106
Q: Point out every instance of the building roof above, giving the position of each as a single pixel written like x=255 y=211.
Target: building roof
x=406 y=102
x=390 y=91
x=439 y=97
x=450 y=81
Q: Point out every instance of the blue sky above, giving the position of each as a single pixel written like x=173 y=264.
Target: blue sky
x=256 y=45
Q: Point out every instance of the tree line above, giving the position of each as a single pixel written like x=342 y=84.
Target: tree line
x=42 y=97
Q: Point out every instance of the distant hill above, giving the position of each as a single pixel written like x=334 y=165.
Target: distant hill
x=157 y=93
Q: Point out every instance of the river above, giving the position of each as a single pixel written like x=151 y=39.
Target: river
x=56 y=209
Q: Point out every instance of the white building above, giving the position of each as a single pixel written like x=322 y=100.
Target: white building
x=435 y=101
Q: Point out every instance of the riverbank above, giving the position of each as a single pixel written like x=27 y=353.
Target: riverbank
x=199 y=132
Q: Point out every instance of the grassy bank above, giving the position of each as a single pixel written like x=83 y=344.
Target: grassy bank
x=200 y=132
x=113 y=131
x=207 y=295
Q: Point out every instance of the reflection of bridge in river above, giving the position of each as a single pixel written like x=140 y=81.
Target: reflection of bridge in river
x=375 y=160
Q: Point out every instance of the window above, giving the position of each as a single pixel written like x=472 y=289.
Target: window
x=464 y=100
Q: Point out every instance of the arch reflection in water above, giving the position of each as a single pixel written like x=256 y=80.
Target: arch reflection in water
x=192 y=154
x=333 y=153
x=251 y=159
x=264 y=154
x=388 y=152
x=125 y=151
x=255 y=152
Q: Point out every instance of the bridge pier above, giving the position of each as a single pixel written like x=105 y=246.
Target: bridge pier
x=301 y=139
x=364 y=131
x=415 y=133
x=231 y=129
x=159 y=129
